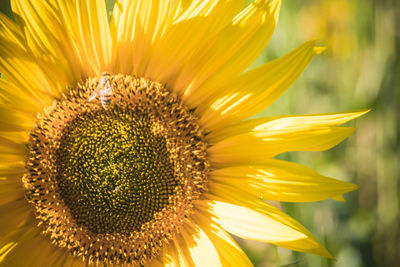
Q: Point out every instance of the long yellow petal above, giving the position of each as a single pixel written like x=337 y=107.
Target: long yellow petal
x=10 y=188
x=21 y=137
x=205 y=18
x=20 y=68
x=284 y=123
x=229 y=252
x=199 y=248
x=27 y=75
x=168 y=257
x=14 y=121
x=11 y=31
x=12 y=169
x=6 y=249
x=34 y=247
x=14 y=98
x=45 y=35
x=254 y=90
x=247 y=223
x=86 y=26
x=134 y=27
x=279 y=180
x=16 y=215
x=230 y=51
x=8 y=146
x=254 y=219
x=259 y=146
x=156 y=262
x=69 y=260
x=171 y=256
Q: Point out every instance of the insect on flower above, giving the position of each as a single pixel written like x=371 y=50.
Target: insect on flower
x=104 y=90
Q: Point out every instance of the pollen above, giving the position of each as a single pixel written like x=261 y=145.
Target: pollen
x=115 y=185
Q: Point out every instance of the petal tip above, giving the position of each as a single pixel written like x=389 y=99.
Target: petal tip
x=353 y=187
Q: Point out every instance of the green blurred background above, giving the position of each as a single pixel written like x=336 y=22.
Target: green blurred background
x=360 y=69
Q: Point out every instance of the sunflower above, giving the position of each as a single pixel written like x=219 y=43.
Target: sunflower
x=163 y=161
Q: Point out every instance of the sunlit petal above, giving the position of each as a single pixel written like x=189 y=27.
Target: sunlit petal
x=254 y=90
x=281 y=181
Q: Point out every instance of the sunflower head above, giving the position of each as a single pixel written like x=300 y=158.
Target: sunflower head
x=123 y=177
x=129 y=143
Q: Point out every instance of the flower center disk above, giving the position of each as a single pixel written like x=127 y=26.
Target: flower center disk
x=115 y=185
x=114 y=170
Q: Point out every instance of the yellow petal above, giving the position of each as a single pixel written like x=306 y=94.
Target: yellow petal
x=230 y=51
x=45 y=35
x=10 y=31
x=70 y=260
x=155 y=262
x=10 y=188
x=14 y=121
x=14 y=98
x=6 y=249
x=204 y=8
x=259 y=145
x=8 y=146
x=229 y=252
x=199 y=248
x=245 y=217
x=253 y=91
x=171 y=256
x=205 y=18
x=247 y=223
x=27 y=75
x=87 y=29
x=279 y=180
x=25 y=72
x=17 y=137
x=134 y=27
x=11 y=169
x=16 y=215
x=284 y=123
x=34 y=247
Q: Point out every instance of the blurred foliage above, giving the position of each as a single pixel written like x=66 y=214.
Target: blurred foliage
x=360 y=69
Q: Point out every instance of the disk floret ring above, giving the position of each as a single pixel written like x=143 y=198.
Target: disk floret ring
x=114 y=185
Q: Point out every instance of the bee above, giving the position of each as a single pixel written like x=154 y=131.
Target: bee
x=104 y=90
